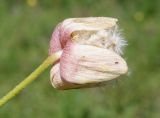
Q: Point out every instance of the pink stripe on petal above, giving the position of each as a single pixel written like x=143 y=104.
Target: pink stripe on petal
x=55 y=44
x=68 y=62
x=60 y=37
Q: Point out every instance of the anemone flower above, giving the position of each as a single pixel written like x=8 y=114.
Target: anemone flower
x=91 y=49
x=84 y=52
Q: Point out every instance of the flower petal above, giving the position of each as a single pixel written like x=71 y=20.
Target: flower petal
x=83 y=64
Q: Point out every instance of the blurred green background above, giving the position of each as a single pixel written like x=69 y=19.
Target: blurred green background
x=25 y=30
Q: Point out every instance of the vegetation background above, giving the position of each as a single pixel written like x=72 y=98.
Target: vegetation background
x=25 y=30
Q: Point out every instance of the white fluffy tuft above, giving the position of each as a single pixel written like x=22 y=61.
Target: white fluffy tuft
x=118 y=40
x=110 y=39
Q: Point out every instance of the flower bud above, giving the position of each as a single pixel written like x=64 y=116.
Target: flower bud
x=91 y=52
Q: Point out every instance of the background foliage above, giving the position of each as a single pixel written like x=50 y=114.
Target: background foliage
x=25 y=30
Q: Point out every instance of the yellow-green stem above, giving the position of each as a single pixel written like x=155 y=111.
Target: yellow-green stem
x=49 y=61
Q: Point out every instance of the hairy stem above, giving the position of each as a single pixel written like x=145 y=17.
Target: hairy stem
x=46 y=63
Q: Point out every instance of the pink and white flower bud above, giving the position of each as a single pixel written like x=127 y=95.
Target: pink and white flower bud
x=91 y=52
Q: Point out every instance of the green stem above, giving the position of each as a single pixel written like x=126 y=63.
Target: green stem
x=49 y=61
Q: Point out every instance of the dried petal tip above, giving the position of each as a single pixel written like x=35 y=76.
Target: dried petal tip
x=91 y=52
